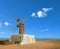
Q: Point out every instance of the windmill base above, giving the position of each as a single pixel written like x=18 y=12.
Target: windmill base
x=28 y=39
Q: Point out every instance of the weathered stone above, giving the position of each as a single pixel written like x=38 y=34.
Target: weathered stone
x=26 y=39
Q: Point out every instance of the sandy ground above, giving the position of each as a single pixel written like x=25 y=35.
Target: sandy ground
x=37 y=45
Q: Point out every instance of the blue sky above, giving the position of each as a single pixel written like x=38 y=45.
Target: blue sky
x=42 y=17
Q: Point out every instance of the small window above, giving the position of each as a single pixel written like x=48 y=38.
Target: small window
x=16 y=42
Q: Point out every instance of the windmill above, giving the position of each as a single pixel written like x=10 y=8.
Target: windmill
x=22 y=38
x=20 y=25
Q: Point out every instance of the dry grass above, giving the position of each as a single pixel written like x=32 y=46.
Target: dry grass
x=51 y=44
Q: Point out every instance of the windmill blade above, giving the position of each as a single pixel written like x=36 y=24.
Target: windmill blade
x=25 y=19
x=15 y=16
x=14 y=29
x=18 y=20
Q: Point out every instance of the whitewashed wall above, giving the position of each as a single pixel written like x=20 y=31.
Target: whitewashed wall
x=28 y=39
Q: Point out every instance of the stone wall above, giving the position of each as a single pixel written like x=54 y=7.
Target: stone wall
x=15 y=39
x=4 y=42
x=26 y=39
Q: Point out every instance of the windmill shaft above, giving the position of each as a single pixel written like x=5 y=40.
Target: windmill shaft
x=21 y=29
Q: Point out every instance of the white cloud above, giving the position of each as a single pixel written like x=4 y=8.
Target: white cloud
x=33 y=14
x=42 y=13
x=6 y=23
x=43 y=30
x=46 y=9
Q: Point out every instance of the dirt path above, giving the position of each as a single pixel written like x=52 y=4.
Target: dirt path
x=37 y=45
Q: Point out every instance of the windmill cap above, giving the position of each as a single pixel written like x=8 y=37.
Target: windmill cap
x=18 y=19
